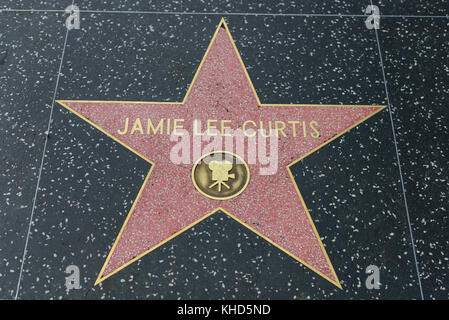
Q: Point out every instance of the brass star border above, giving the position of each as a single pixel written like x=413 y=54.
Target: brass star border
x=222 y=23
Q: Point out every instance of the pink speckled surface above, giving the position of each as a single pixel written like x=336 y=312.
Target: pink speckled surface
x=169 y=202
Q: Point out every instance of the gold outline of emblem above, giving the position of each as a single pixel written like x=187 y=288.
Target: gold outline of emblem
x=220 y=198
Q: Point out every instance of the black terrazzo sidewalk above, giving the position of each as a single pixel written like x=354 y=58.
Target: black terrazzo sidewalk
x=354 y=187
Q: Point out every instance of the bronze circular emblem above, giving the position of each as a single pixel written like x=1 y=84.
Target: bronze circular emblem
x=220 y=175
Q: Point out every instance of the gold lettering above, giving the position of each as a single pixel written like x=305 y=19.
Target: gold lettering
x=244 y=128
x=210 y=126
x=262 y=131
x=151 y=127
x=137 y=126
x=168 y=126
x=178 y=126
x=223 y=128
x=293 y=123
x=314 y=125
x=281 y=130
x=124 y=129
x=195 y=129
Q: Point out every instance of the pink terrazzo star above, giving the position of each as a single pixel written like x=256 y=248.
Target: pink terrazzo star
x=168 y=203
